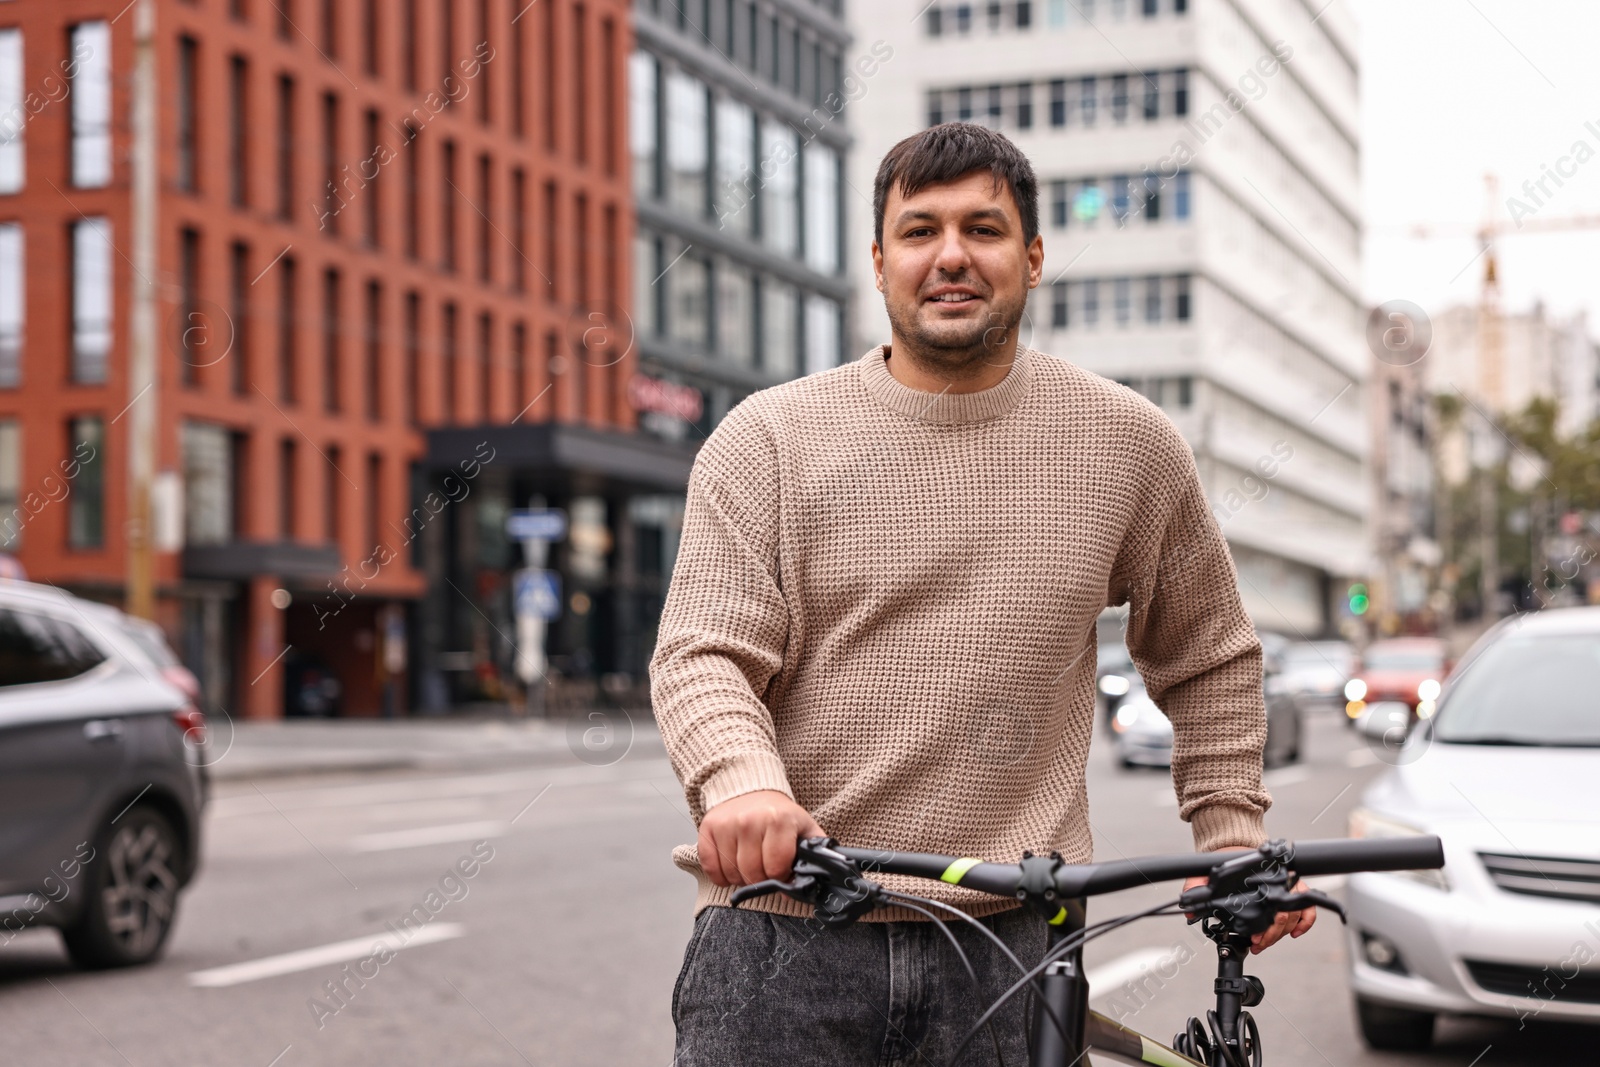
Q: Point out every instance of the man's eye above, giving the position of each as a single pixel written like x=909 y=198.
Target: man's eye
x=920 y=231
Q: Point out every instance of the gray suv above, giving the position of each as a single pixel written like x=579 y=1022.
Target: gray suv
x=101 y=777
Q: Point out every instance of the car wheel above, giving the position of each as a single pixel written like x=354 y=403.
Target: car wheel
x=132 y=893
x=1394 y=1029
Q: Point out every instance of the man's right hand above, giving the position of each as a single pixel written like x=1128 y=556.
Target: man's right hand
x=752 y=836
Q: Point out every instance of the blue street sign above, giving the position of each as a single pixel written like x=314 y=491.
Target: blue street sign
x=536 y=593
x=543 y=524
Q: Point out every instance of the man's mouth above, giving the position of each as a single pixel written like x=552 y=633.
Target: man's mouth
x=953 y=299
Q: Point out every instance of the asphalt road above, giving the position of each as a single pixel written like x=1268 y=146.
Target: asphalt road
x=562 y=945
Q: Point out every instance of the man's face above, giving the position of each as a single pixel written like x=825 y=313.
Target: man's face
x=954 y=271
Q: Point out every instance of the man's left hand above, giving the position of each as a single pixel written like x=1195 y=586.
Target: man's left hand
x=1293 y=923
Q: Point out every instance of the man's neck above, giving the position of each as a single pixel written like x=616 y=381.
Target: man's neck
x=985 y=372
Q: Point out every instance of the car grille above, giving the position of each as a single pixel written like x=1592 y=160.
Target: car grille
x=1540 y=876
x=1543 y=983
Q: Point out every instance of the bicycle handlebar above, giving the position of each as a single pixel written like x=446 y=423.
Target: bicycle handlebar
x=1337 y=856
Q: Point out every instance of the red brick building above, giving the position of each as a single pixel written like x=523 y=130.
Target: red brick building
x=392 y=241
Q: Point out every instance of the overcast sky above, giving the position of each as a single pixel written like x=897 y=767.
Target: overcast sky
x=1452 y=89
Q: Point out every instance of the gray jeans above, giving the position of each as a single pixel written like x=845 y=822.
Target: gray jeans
x=763 y=990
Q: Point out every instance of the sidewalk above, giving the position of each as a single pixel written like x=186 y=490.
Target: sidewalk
x=247 y=750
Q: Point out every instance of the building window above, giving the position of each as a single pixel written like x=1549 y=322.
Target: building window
x=823 y=331
x=86 y=505
x=963 y=18
x=285 y=19
x=331 y=203
x=239 y=281
x=935 y=107
x=1152 y=299
x=187 y=121
x=373 y=338
x=935 y=20
x=644 y=129
x=91 y=299
x=408 y=43
x=1091 y=302
x=552 y=244
x=447 y=359
x=1088 y=89
x=238 y=125
x=1122 y=300
x=1152 y=95
x=208 y=491
x=285 y=147
x=1180 y=310
x=964 y=104
x=413 y=189
x=374 y=504
x=413 y=344
x=1058 y=305
x=331 y=321
x=447 y=206
x=372 y=30
x=1119 y=98
x=1149 y=8
x=780 y=212
x=288 y=380
x=287 y=517
x=331 y=494
x=1024 y=91
x=687 y=136
x=780 y=328
x=689 y=292
x=519 y=230
x=370 y=202
x=735 y=314
x=13 y=99
x=485 y=88
x=1180 y=93
x=90 y=103
x=1121 y=198
x=995 y=108
x=10 y=484
x=1024 y=15
x=551 y=65
x=580 y=85
x=193 y=335
x=486 y=389
x=1150 y=191
x=519 y=369
x=736 y=174
x=822 y=208
x=519 y=59
x=1058 y=102
x=13 y=308
x=485 y=225
x=1180 y=195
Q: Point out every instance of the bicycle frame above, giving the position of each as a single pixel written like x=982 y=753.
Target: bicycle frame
x=1065 y=987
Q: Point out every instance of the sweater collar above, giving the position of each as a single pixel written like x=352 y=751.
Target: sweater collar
x=948 y=408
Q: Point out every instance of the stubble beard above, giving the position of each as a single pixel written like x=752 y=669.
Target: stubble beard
x=955 y=350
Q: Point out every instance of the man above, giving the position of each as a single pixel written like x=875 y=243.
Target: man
x=881 y=626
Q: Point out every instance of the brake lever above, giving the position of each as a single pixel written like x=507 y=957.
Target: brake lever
x=799 y=889
x=823 y=878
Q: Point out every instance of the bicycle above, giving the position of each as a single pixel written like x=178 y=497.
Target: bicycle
x=1246 y=890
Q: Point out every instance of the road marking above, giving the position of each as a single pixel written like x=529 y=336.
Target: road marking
x=1359 y=757
x=1109 y=977
x=306 y=958
x=1287 y=775
x=426 y=835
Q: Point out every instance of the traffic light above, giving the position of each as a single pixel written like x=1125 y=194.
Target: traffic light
x=1358 y=599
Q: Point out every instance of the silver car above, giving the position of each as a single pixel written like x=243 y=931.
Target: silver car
x=101 y=782
x=1507 y=773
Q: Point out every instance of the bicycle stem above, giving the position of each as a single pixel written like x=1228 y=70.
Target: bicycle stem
x=1063 y=988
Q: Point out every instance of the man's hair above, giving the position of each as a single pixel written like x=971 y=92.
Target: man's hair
x=953 y=150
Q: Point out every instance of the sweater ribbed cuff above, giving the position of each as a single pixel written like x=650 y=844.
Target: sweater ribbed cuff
x=746 y=773
x=1225 y=825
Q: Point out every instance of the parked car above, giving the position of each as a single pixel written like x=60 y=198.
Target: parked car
x=1142 y=733
x=1405 y=670
x=1115 y=675
x=101 y=779
x=1510 y=781
x=1313 y=673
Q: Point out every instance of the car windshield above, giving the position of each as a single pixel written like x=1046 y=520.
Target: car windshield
x=1401 y=659
x=1527 y=691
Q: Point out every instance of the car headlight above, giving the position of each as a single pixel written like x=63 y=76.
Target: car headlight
x=1428 y=689
x=1355 y=689
x=1366 y=823
x=1114 y=685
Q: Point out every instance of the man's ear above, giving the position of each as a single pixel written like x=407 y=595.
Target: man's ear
x=877 y=266
x=1036 y=261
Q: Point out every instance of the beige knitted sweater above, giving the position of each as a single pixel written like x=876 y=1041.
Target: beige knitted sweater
x=884 y=605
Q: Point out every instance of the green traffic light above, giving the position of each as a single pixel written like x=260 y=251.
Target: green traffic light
x=1358 y=604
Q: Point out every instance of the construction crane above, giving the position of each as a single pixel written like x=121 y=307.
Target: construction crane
x=1491 y=322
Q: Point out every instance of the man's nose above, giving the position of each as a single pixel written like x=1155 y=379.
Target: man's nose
x=953 y=257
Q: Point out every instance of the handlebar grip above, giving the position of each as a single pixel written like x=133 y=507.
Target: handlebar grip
x=1425 y=852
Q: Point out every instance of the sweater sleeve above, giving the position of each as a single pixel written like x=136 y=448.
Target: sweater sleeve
x=1199 y=656
x=725 y=623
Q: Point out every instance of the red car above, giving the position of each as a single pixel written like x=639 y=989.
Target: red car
x=1407 y=670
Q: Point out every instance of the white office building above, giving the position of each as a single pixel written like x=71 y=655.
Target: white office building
x=1199 y=201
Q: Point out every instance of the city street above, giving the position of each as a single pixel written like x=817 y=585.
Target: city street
x=562 y=945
